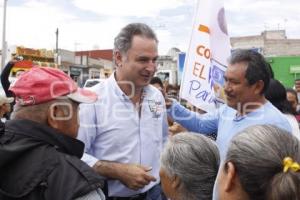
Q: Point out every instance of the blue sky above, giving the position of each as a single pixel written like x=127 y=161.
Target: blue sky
x=92 y=24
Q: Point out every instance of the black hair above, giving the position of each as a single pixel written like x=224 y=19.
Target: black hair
x=156 y=80
x=257 y=67
x=276 y=94
x=290 y=90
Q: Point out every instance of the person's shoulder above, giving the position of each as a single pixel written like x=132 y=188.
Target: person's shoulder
x=272 y=112
x=98 y=87
x=274 y=116
x=153 y=91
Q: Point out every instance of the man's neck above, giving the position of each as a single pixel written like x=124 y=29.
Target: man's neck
x=129 y=89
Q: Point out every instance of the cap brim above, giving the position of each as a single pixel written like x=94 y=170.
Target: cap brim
x=9 y=99
x=83 y=96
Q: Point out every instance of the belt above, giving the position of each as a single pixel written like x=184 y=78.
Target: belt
x=141 y=196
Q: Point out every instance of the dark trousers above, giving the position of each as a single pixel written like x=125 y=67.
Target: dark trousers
x=155 y=193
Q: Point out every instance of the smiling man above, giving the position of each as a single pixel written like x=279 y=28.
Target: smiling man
x=125 y=129
x=246 y=79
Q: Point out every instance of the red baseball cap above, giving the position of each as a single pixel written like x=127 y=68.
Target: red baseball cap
x=43 y=84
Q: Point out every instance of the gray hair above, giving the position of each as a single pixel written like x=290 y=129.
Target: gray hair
x=123 y=40
x=193 y=158
x=257 y=154
x=39 y=112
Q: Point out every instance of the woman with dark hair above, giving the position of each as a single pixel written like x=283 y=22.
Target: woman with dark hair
x=276 y=94
x=262 y=163
x=292 y=97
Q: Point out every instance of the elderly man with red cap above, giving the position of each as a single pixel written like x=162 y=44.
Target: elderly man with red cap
x=39 y=152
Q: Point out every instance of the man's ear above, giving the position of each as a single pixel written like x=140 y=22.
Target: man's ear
x=175 y=182
x=118 y=58
x=52 y=113
x=229 y=177
x=259 y=85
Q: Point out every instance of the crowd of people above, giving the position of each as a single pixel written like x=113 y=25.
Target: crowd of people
x=130 y=138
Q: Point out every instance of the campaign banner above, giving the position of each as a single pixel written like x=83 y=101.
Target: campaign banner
x=206 y=59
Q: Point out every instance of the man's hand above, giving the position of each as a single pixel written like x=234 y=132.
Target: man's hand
x=136 y=176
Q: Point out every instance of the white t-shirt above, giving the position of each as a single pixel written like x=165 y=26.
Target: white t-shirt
x=294 y=124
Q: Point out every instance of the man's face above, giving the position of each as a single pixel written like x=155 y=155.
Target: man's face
x=237 y=89
x=293 y=100
x=138 y=65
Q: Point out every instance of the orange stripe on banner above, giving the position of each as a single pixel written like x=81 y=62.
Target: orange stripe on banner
x=203 y=28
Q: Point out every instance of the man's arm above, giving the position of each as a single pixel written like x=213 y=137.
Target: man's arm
x=134 y=176
x=205 y=123
x=4 y=77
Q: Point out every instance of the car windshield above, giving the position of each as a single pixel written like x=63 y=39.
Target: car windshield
x=91 y=83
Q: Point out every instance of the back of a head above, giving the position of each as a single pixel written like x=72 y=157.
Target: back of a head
x=257 y=154
x=258 y=68
x=123 y=40
x=276 y=94
x=157 y=80
x=194 y=159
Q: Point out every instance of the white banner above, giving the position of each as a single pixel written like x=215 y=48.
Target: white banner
x=206 y=60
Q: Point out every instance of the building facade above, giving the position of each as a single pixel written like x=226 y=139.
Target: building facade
x=281 y=52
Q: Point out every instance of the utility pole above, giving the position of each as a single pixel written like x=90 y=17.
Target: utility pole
x=3 y=51
x=56 y=46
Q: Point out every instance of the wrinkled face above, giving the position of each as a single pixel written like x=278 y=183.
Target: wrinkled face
x=293 y=100
x=138 y=65
x=166 y=184
x=237 y=90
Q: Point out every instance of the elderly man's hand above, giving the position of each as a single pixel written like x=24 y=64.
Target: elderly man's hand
x=136 y=176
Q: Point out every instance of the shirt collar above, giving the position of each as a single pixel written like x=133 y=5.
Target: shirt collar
x=118 y=92
x=261 y=109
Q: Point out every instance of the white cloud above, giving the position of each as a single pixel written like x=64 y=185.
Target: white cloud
x=34 y=24
x=96 y=22
x=248 y=17
x=127 y=8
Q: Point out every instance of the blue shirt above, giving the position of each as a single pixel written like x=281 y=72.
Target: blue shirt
x=225 y=123
x=112 y=130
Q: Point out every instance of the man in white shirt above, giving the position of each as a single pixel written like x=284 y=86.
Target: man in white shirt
x=125 y=129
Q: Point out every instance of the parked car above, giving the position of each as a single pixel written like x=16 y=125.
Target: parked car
x=2 y=93
x=91 y=82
